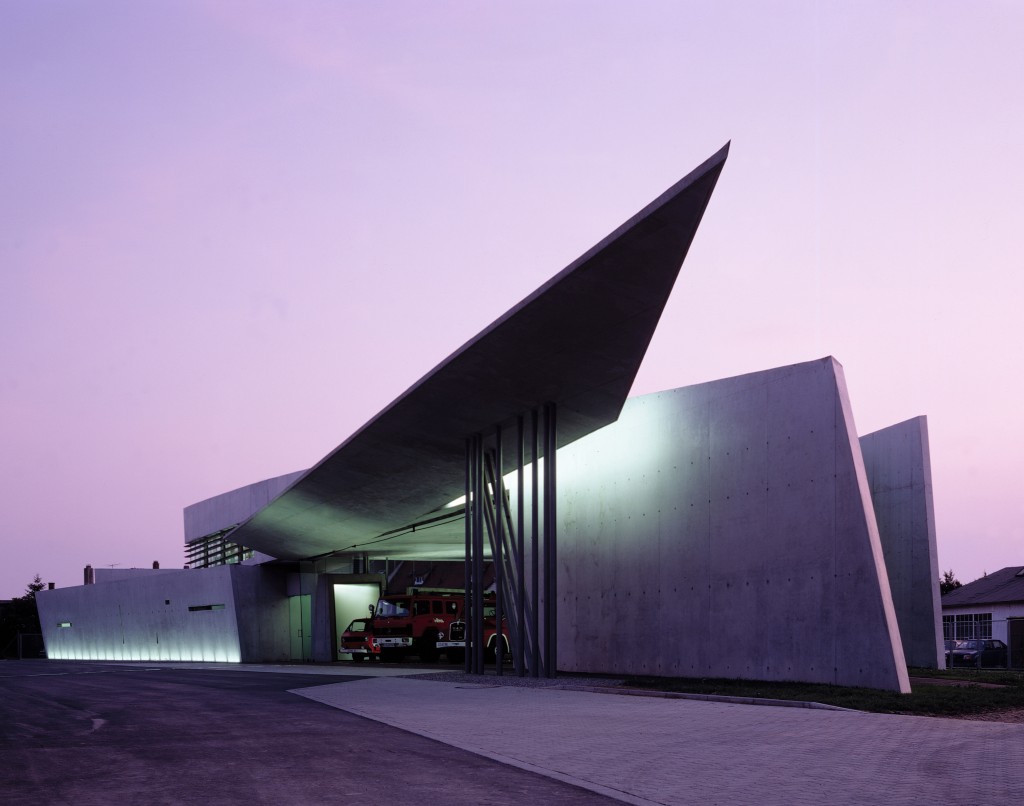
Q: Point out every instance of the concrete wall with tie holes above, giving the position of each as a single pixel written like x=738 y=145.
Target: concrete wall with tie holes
x=898 y=465
x=727 y=530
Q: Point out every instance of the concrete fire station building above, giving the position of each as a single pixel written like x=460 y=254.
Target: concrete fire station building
x=737 y=528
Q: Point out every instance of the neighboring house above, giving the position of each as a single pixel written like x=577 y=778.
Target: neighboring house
x=990 y=607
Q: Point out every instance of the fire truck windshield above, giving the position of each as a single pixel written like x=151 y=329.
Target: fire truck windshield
x=392 y=607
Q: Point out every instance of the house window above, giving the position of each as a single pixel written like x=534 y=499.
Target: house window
x=967 y=625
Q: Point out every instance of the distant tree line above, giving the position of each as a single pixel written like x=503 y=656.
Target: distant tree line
x=19 y=616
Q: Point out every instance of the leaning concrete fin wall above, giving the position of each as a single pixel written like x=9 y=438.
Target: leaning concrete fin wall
x=898 y=466
x=857 y=572
x=725 y=530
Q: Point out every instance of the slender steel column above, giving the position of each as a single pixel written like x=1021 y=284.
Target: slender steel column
x=467 y=565
x=499 y=555
x=554 y=537
x=535 y=662
x=550 y=542
x=532 y=637
x=520 y=656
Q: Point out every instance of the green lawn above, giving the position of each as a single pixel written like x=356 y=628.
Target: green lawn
x=926 y=698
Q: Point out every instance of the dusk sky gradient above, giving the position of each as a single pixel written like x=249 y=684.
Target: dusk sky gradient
x=232 y=232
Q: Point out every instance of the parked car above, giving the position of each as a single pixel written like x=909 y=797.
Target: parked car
x=950 y=646
x=358 y=640
x=979 y=653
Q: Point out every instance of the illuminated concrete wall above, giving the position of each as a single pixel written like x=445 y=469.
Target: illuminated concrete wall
x=726 y=530
x=227 y=613
x=899 y=476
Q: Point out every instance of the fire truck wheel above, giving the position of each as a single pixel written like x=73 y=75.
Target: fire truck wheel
x=491 y=653
x=428 y=648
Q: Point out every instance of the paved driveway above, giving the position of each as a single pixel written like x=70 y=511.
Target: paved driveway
x=119 y=733
x=654 y=750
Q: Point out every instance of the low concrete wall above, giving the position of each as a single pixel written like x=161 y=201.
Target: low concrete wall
x=726 y=530
x=898 y=468
x=189 y=615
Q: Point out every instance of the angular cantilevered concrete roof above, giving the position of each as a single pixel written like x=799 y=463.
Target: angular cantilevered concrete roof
x=577 y=341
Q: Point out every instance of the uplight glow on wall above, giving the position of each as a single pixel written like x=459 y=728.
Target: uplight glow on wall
x=224 y=650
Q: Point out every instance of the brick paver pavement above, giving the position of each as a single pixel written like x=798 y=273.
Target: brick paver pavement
x=653 y=750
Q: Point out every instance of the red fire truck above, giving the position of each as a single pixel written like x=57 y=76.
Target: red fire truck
x=414 y=622
x=457 y=641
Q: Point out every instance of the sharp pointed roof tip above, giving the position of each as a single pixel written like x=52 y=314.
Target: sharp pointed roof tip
x=714 y=162
x=577 y=342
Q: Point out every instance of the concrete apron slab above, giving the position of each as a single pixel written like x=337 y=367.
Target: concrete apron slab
x=644 y=750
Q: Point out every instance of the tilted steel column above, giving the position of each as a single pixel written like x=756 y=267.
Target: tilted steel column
x=509 y=554
x=520 y=657
x=501 y=533
x=478 y=555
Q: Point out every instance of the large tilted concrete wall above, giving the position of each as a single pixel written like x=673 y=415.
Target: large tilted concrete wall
x=726 y=530
x=148 y=618
x=898 y=467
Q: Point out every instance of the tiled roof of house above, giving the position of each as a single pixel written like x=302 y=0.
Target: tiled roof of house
x=1005 y=585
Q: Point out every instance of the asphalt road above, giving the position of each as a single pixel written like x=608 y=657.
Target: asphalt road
x=110 y=733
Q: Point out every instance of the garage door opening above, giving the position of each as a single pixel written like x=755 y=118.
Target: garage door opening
x=351 y=601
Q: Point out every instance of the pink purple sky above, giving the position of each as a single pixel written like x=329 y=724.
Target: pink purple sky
x=231 y=232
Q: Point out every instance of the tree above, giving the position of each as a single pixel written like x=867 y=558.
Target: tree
x=34 y=587
x=19 y=616
x=949 y=582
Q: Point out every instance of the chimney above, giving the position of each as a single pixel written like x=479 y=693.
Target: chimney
x=50 y=586
x=156 y=565
x=90 y=575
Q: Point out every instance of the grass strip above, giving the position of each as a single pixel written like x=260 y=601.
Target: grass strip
x=924 y=700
